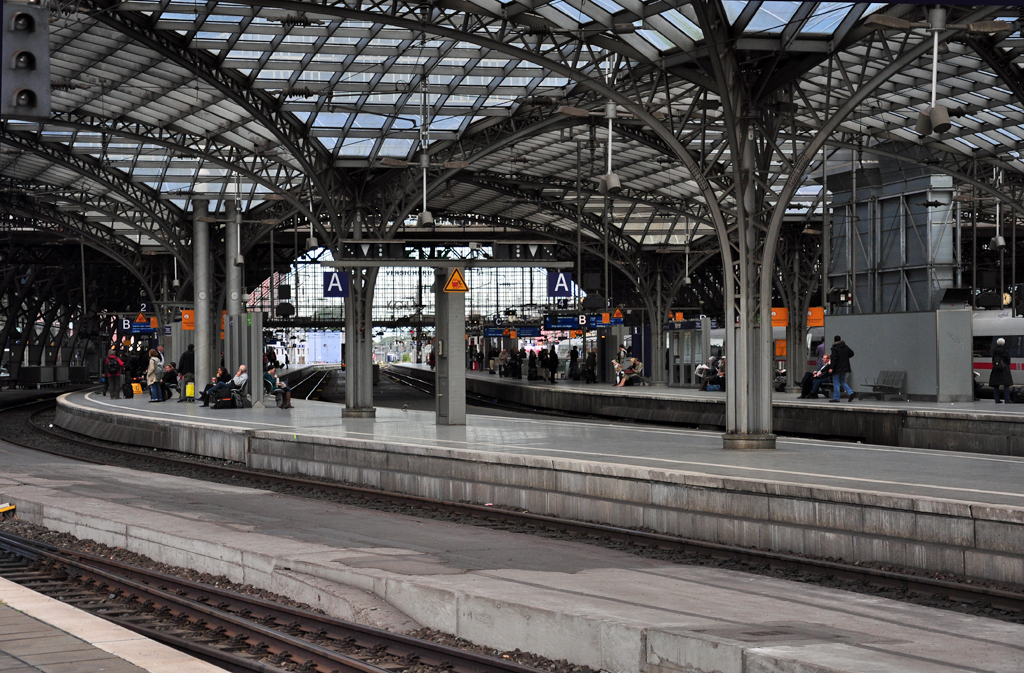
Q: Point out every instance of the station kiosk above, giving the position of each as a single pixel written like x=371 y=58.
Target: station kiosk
x=689 y=344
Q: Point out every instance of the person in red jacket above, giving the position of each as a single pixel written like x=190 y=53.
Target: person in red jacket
x=113 y=370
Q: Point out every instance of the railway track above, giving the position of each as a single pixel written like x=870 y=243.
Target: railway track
x=990 y=600
x=223 y=627
x=311 y=385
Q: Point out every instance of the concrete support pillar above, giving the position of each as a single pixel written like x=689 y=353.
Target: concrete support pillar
x=450 y=343
x=233 y=271
x=203 y=305
x=748 y=407
x=233 y=353
x=359 y=345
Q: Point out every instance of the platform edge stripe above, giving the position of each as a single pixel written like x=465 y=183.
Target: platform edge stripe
x=101 y=634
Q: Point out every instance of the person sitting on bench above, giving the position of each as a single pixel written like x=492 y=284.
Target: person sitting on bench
x=240 y=378
x=169 y=381
x=813 y=380
x=277 y=386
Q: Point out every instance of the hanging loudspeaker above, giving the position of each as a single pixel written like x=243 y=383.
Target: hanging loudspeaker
x=924 y=123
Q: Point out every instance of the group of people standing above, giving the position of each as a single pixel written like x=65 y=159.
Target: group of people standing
x=162 y=378
x=542 y=364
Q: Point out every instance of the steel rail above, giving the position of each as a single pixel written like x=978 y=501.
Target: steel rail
x=276 y=642
x=217 y=607
x=957 y=591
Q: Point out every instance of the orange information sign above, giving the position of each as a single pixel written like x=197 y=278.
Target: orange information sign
x=679 y=317
x=606 y=318
x=512 y=335
x=140 y=318
x=816 y=316
x=153 y=323
x=188 y=320
x=780 y=317
x=780 y=348
x=456 y=282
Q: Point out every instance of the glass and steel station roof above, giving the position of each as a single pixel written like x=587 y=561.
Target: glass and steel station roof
x=299 y=108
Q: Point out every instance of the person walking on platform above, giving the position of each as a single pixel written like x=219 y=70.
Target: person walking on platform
x=187 y=371
x=153 y=373
x=574 y=364
x=113 y=367
x=841 y=354
x=1001 y=375
x=553 y=363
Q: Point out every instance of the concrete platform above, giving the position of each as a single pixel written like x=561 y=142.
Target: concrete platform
x=979 y=427
x=934 y=510
x=41 y=634
x=594 y=606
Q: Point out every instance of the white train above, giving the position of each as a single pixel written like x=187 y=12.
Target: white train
x=989 y=326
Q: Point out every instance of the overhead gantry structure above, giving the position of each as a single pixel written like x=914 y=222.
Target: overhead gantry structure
x=722 y=119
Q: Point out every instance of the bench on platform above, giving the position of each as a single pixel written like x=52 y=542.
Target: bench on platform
x=887 y=383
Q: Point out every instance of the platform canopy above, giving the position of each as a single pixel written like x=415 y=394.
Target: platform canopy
x=323 y=111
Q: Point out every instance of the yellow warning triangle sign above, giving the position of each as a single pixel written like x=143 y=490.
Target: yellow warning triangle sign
x=140 y=318
x=617 y=314
x=456 y=282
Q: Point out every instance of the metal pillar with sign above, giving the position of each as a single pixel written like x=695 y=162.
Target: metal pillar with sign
x=243 y=338
x=689 y=344
x=206 y=360
x=450 y=290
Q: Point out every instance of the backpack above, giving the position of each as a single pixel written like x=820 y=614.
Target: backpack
x=998 y=363
x=113 y=367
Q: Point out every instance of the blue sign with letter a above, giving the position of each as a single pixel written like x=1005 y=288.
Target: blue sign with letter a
x=559 y=284
x=335 y=284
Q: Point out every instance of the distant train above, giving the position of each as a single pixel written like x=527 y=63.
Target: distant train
x=989 y=326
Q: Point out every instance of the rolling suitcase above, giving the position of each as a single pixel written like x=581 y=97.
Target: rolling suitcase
x=126 y=390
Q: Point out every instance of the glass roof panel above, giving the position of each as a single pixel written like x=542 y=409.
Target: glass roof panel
x=772 y=17
x=733 y=9
x=608 y=6
x=827 y=17
x=571 y=12
x=656 y=39
x=682 y=23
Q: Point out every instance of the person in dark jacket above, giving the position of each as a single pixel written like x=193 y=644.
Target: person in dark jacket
x=553 y=363
x=590 y=368
x=187 y=370
x=1001 y=371
x=841 y=354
